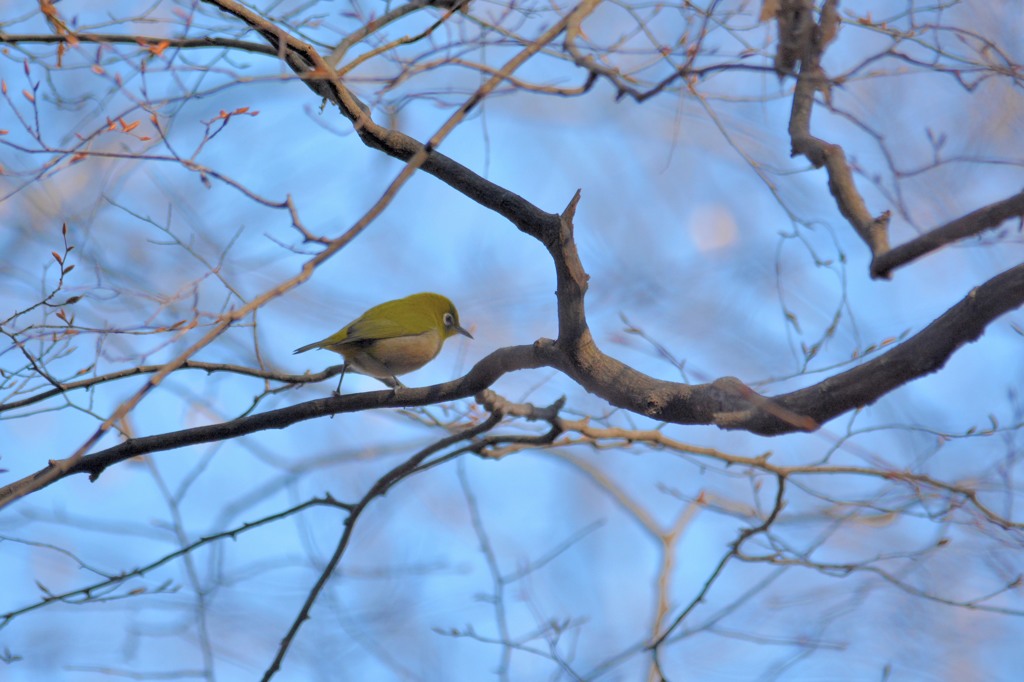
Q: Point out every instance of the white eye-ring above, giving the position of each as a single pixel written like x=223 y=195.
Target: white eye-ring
x=449 y=321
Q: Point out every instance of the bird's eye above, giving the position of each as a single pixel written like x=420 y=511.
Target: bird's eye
x=449 y=321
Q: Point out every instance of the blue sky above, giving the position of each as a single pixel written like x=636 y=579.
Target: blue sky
x=680 y=235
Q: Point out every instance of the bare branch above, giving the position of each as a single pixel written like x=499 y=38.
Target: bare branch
x=810 y=40
x=378 y=489
x=726 y=403
x=140 y=40
x=979 y=220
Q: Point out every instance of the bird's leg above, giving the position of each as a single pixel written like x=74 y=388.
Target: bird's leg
x=393 y=383
x=396 y=387
x=344 y=366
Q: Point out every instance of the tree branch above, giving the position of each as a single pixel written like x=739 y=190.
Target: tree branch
x=965 y=226
x=145 y=41
x=378 y=489
x=726 y=403
x=921 y=354
x=482 y=375
x=730 y=404
x=208 y=367
x=320 y=77
x=811 y=40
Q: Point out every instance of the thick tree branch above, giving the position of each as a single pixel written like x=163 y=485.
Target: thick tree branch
x=304 y=60
x=482 y=375
x=730 y=404
x=924 y=353
x=977 y=221
x=921 y=354
x=809 y=40
x=727 y=402
x=319 y=76
x=800 y=38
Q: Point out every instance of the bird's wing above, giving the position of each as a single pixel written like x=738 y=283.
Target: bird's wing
x=380 y=325
x=379 y=328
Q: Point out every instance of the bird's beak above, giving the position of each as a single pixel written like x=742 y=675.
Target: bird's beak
x=462 y=331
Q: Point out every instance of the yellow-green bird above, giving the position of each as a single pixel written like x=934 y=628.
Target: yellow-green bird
x=394 y=338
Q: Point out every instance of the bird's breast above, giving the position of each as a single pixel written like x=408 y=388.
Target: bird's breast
x=399 y=355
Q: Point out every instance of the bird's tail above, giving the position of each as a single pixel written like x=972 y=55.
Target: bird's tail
x=305 y=348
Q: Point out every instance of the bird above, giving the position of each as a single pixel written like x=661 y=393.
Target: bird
x=393 y=338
